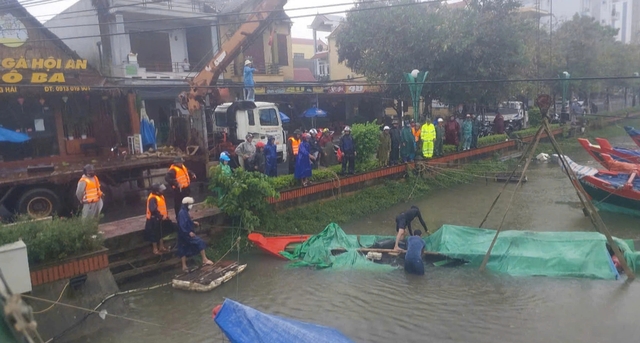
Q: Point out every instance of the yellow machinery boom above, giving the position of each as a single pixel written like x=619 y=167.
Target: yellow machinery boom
x=254 y=25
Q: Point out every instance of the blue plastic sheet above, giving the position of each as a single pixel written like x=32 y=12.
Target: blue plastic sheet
x=12 y=136
x=148 y=134
x=284 y=118
x=314 y=112
x=243 y=324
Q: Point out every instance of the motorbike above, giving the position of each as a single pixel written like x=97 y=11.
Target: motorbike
x=486 y=129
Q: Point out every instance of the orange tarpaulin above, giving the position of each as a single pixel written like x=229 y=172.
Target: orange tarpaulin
x=618 y=166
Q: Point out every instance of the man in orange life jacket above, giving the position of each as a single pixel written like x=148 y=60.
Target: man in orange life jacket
x=157 y=216
x=89 y=193
x=179 y=178
x=293 y=143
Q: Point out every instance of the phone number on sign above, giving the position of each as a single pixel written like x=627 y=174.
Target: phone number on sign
x=67 y=88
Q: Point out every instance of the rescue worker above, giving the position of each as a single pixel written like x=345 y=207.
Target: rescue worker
x=396 y=143
x=415 y=131
x=249 y=83
x=408 y=149
x=293 y=144
x=224 y=164
x=246 y=152
x=157 y=217
x=452 y=131
x=179 y=178
x=348 y=148
x=271 y=156
x=439 y=143
x=303 y=163
x=384 y=147
x=259 y=160
x=89 y=193
x=188 y=243
x=428 y=136
x=314 y=147
x=403 y=223
x=413 y=258
x=467 y=132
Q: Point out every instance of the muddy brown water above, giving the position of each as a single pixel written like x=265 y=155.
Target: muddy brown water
x=446 y=305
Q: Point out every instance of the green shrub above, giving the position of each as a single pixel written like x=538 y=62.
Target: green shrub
x=242 y=195
x=535 y=117
x=367 y=137
x=493 y=139
x=449 y=149
x=52 y=240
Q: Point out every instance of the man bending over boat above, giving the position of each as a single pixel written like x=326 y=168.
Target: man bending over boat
x=413 y=257
x=403 y=222
x=188 y=243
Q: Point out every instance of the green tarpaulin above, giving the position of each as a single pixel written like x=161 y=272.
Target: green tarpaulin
x=528 y=253
x=518 y=253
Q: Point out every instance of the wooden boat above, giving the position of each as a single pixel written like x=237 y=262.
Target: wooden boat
x=208 y=278
x=609 y=190
x=634 y=134
x=274 y=245
x=603 y=147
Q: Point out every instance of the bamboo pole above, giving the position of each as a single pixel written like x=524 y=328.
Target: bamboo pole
x=591 y=210
x=529 y=157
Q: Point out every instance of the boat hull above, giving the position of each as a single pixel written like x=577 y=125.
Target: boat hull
x=618 y=200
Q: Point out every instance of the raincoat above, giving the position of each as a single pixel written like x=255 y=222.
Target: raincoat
x=498 y=124
x=396 y=143
x=467 y=131
x=452 y=128
x=428 y=135
x=187 y=246
x=384 y=147
x=408 y=149
x=271 y=155
x=475 y=132
x=439 y=144
x=303 y=163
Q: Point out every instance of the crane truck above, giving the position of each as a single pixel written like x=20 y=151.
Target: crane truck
x=42 y=191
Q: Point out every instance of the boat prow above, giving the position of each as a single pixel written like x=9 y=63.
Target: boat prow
x=634 y=134
x=604 y=147
x=274 y=245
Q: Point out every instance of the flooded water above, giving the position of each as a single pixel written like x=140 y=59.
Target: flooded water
x=446 y=305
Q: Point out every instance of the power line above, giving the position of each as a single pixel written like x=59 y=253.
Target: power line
x=242 y=22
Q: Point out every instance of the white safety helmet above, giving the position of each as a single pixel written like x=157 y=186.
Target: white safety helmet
x=313 y=132
x=386 y=128
x=247 y=62
x=347 y=128
x=187 y=201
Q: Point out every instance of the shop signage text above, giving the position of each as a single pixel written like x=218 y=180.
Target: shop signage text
x=46 y=70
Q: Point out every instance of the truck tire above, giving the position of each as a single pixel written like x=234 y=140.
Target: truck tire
x=39 y=203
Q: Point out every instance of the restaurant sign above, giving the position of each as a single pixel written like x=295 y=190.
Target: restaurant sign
x=333 y=89
x=42 y=70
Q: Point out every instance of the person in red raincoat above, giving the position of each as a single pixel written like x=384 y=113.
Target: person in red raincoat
x=452 y=132
x=498 y=124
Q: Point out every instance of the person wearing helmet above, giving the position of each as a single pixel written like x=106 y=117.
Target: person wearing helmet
x=179 y=178
x=293 y=144
x=303 y=162
x=271 y=157
x=189 y=244
x=439 y=143
x=89 y=193
x=249 y=84
x=157 y=217
x=348 y=148
x=314 y=147
x=224 y=164
x=259 y=160
x=428 y=137
x=384 y=146
x=246 y=152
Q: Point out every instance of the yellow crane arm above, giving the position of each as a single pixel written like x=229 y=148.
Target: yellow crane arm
x=254 y=24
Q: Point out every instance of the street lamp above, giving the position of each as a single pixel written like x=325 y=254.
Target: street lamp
x=564 y=114
x=415 y=79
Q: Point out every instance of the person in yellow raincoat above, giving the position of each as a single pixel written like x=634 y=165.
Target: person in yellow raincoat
x=428 y=137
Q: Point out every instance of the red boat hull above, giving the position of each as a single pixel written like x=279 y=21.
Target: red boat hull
x=274 y=245
x=605 y=148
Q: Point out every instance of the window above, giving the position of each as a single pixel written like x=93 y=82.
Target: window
x=252 y=118
x=298 y=56
x=283 y=53
x=221 y=118
x=269 y=117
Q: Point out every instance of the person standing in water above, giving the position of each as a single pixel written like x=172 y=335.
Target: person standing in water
x=413 y=258
x=403 y=223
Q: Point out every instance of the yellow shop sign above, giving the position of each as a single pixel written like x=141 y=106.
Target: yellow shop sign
x=49 y=70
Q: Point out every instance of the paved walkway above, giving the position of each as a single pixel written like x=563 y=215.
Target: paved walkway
x=135 y=224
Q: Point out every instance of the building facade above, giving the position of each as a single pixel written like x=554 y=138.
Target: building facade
x=623 y=15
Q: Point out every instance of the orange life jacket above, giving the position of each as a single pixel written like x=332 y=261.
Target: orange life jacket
x=92 y=192
x=416 y=133
x=295 y=145
x=162 y=205
x=182 y=176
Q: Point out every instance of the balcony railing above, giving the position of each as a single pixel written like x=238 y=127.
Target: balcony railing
x=174 y=67
x=265 y=69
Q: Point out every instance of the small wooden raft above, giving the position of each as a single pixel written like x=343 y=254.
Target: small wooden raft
x=207 y=278
x=503 y=177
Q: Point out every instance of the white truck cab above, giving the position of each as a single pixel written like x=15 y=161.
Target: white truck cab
x=260 y=119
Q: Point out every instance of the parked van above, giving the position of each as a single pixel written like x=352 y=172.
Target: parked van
x=260 y=119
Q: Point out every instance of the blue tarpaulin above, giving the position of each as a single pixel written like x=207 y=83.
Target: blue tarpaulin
x=314 y=112
x=12 y=136
x=148 y=134
x=284 y=118
x=243 y=324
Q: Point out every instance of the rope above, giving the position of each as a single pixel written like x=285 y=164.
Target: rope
x=52 y=306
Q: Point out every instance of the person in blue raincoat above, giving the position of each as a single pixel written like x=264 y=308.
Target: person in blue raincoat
x=303 y=162
x=271 y=154
x=467 y=132
x=188 y=243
